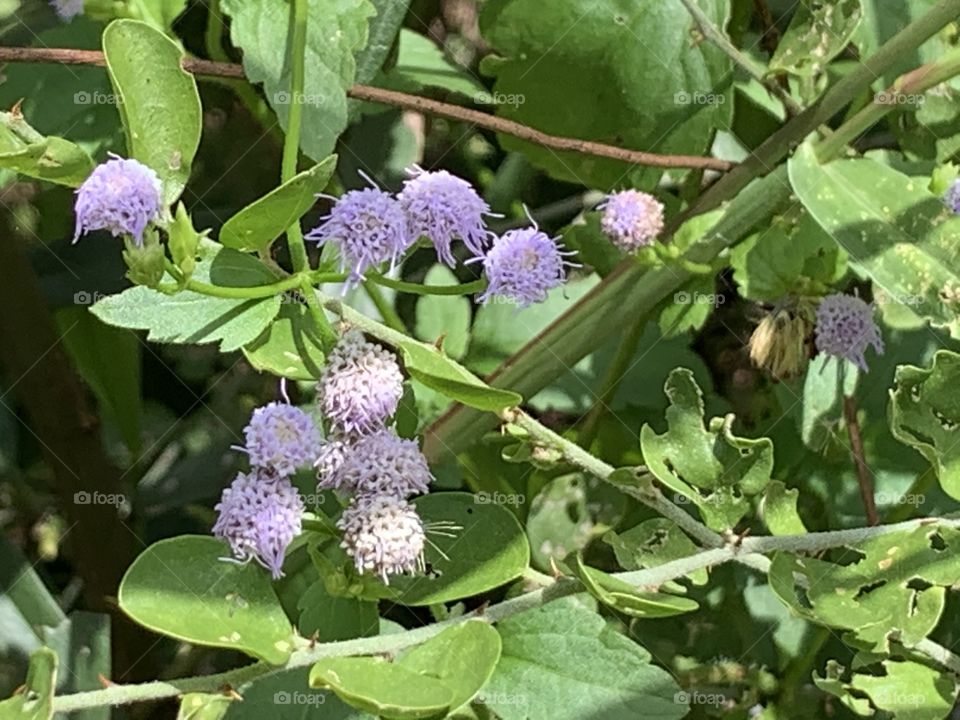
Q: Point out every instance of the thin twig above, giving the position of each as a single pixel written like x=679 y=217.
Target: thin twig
x=67 y=56
x=864 y=477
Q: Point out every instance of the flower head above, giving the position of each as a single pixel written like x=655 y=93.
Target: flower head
x=67 y=9
x=845 y=327
x=383 y=534
x=360 y=387
x=952 y=197
x=330 y=460
x=122 y=196
x=523 y=265
x=445 y=208
x=260 y=514
x=370 y=227
x=382 y=464
x=631 y=219
x=282 y=438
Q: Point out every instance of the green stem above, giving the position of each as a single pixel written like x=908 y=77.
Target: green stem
x=469 y=288
x=384 y=307
x=754 y=69
x=291 y=143
x=213 y=34
x=327 y=334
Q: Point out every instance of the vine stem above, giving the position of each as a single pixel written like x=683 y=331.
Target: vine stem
x=291 y=142
x=69 y=56
x=864 y=476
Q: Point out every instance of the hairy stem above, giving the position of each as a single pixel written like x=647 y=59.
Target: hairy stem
x=291 y=143
x=864 y=476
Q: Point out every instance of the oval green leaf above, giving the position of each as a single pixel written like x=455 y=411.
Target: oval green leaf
x=256 y=226
x=440 y=373
x=182 y=587
x=290 y=347
x=383 y=688
x=157 y=99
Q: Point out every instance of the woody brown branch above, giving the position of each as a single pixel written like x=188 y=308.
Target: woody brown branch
x=418 y=103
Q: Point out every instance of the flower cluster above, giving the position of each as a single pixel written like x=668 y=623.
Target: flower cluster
x=260 y=513
x=122 y=196
x=358 y=392
x=845 y=328
x=67 y=9
x=952 y=197
x=631 y=219
x=371 y=228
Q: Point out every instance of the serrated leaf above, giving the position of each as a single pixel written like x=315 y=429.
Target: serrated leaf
x=708 y=466
x=335 y=31
x=925 y=414
x=157 y=100
x=895 y=231
x=184 y=588
x=255 y=227
x=437 y=371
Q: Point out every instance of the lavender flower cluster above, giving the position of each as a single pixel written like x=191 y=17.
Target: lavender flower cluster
x=845 y=328
x=361 y=459
x=372 y=227
x=364 y=459
x=631 y=219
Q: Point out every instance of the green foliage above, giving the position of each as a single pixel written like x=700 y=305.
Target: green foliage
x=335 y=31
x=444 y=318
x=818 y=32
x=290 y=346
x=651 y=543
x=924 y=414
x=35 y=699
x=707 y=466
x=25 y=151
x=183 y=588
x=157 y=100
x=639 y=105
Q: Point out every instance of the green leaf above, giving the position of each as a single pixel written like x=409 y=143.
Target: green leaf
x=82 y=645
x=183 y=587
x=204 y=706
x=290 y=347
x=161 y=13
x=779 y=510
x=157 y=99
x=191 y=318
x=382 y=688
x=896 y=232
x=652 y=543
x=708 y=466
x=27 y=152
x=421 y=64
x=895 y=590
x=488 y=551
x=627 y=599
x=462 y=657
x=335 y=31
x=109 y=361
x=255 y=227
x=286 y=695
x=330 y=618
x=563 y=662
x=34 y=701
x=184 y=241
x=818 y=32
x=384 y=28
x=444 y=316
x=925 y=414
x=437 y=371
x=664 y=94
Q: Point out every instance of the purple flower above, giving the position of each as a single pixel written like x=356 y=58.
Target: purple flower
x=122 y=196
x=381 y=464
x=370 y=227
x=281 y=438
x=631 y=219
x=383 y=534
x=444 y=208
x=333 y=454
x=67 y=9
x=845 y=327
x=360 y=387
x=952 y=197
x=523 y=265
x=260 y=514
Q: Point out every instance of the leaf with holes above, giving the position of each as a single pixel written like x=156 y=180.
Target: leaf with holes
x=818 y=32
